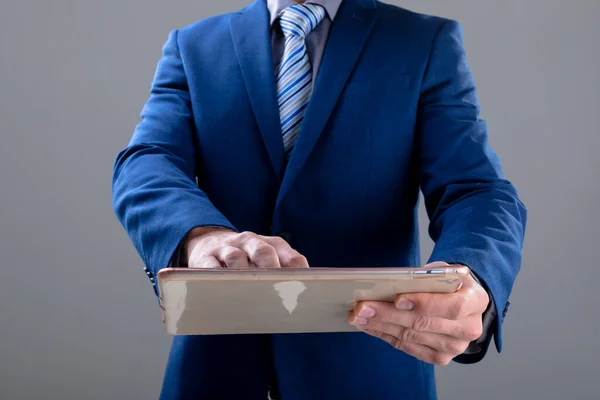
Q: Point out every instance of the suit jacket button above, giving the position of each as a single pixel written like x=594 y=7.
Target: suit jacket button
x=505 y=311
x=286 y=236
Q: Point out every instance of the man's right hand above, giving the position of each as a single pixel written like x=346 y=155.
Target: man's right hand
x=222 y=248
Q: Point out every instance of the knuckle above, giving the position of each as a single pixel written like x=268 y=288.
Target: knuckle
x=407 y=335
x=279 y=241
x=480 y=296
x=421 y=323
x=397 y=343
x=429 y=357
x=442 y=359
x=265 y=251
x=474 y=332
x=298 y=260
x=485 y=295
x=457 y=347
x=485 y=299
x=478 y=290
x=377 y=334
x=233 y=254
x=245 y=236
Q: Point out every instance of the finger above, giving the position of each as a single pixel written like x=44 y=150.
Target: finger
x=232 y=257
x=467 y=329
x=419 y=351
x=439 y=342
x=208 y=262
x=454 y=306
x=288 y=257
x=260 y=253
x=471 y=299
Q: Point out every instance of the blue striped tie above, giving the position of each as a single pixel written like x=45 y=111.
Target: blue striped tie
x=294 y=72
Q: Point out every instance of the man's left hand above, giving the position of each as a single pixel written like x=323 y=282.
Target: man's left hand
x=433 y=327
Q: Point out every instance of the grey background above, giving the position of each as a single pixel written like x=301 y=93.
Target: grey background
x=74 y=75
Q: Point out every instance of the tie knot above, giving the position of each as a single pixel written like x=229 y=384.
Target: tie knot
x=300 y=19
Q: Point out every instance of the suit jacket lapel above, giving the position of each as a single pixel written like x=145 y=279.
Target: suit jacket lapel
x=250 y=29
x=349 y=32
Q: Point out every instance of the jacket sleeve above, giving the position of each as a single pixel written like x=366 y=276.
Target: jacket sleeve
x=155 y=194
x=476 y=217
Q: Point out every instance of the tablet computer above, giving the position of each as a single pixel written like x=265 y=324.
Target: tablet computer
x=282 y=300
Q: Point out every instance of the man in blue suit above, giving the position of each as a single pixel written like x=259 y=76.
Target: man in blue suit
x=290 y=134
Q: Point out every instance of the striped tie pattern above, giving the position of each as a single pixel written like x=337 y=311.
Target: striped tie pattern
x=294 y=72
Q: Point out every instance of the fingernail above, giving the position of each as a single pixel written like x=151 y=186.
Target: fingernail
x=360 y=321
x=366 y=312
x=404 y=304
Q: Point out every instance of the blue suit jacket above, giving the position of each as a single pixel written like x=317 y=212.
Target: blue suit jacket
x=394 y=109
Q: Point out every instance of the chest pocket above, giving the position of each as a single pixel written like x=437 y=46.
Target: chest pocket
x=381 y=82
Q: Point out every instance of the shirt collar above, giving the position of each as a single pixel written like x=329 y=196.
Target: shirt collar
x=277 y=6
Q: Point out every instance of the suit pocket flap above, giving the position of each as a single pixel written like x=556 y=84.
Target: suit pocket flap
x=381 y=82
